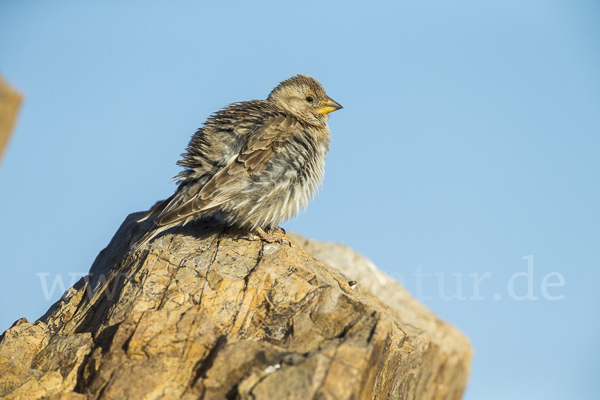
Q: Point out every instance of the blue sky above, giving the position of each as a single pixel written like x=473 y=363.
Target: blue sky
x=469 y=139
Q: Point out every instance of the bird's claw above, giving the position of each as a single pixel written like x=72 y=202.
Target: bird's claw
x=260 y=234
x=249 y=236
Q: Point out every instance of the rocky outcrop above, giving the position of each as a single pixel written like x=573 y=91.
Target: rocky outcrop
x=9 y=106
x=201 y=314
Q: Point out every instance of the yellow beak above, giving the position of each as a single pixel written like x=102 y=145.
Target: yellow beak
x=328 y=105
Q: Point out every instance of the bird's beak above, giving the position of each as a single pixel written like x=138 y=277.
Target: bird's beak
x=328 y=105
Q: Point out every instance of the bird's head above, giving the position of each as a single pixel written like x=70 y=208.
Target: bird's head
x=304 y=98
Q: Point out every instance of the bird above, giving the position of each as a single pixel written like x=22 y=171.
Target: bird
x=253 y=164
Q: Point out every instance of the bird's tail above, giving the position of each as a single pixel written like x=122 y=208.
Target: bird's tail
x=148 y=236
x=158 y=208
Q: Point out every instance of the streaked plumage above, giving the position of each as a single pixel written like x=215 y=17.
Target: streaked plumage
x=255 y=163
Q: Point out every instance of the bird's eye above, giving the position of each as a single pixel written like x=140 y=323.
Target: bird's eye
x=309 y=99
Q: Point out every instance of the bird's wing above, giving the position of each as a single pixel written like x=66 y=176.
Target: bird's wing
x=266 y=141
x=225 y=184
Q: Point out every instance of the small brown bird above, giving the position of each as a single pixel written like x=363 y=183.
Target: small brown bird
x=254 y=164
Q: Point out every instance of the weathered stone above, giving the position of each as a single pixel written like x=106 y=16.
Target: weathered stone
x=199 y=313
x=10 y=101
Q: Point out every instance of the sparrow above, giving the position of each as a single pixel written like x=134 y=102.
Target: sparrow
x=253 y=164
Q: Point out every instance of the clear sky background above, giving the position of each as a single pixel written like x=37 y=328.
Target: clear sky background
x=469 y=139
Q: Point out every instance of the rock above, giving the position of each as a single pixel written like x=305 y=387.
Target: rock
x=200 y=314
x=9 y=106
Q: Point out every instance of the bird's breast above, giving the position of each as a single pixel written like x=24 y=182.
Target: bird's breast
x=284 y=187
x=300 y=171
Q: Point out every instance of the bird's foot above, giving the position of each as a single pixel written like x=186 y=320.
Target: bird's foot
x=280 y=230
x=260 y=234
